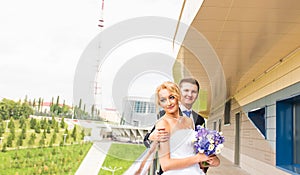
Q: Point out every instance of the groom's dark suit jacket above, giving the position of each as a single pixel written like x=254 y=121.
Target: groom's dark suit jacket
x=198 y=120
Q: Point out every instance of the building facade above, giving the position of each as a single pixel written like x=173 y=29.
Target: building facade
x=258 y=58
x=139 y=112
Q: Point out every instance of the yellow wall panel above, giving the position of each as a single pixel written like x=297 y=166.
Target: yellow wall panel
x=285 y=74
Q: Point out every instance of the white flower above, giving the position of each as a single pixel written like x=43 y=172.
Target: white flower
x=211 y=147
x=201 y=151
x=218 y=150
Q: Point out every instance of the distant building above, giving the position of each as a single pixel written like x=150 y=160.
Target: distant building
x=138 y=111
x=111 y=115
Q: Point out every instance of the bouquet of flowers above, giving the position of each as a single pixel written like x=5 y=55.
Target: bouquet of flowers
x=207 y=141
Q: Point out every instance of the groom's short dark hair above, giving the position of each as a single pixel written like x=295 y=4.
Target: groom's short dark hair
x=190 y=80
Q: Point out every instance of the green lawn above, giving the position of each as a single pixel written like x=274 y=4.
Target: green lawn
x=47 y=158
x=52 y=160
x=121 y=155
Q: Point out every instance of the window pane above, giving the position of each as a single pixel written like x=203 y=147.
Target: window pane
x=258 y=119
x=297 y=134
x=227 y=112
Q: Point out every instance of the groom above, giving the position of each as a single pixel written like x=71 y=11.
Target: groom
x=189 y=88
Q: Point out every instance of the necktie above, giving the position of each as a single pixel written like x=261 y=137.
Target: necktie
x=187 y=113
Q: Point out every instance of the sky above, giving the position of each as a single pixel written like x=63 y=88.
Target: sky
x=41 y=43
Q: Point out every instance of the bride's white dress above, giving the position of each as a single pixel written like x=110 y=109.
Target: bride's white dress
x=181 y=146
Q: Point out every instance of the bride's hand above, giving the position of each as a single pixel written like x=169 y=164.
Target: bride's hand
x=202 y=157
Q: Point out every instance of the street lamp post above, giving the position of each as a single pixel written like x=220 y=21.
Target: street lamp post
x=7 y=121
x=65 y=135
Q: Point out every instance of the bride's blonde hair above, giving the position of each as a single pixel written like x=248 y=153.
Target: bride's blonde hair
x=171 y=87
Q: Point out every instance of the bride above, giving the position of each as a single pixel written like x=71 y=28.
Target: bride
x=176 y=155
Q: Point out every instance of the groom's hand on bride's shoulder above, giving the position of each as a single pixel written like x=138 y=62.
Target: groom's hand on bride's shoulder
x=160 y=135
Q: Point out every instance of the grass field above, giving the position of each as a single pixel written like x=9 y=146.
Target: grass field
x=62 y=156
x=121 y=155
x=52 y=160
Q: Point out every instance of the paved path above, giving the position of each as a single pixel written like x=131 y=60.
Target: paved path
x=94 y=159
x=226 y=168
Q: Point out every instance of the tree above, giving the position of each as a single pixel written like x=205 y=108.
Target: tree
x=57 y=100
x=4 y=147
x=65 y=109
x=82 y=134
x=48 y=129
x=80 y=102
x=44 y=136
x=9 y=108
x=25 y=110
x=4 y=115
x=67 y=134
x=54 y=136
x=44 y=123
x=22 y=121
x=2 y=128
x=20 y=140
x=23 y=133
x=11 y=123
x=39 y=104
x=93 y=110
x=32 y=123
x=42 y=143
x=12 y=132
x=74 y=133
x=53 y=122
x=62 y=123
x=33 y=103
x=9 y=141
x=37 y=128
x=32 y=139
x=56 y=128
x=25 y=99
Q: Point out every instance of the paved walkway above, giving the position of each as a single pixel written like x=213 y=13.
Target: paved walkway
x=94 y=159
x=226 y=168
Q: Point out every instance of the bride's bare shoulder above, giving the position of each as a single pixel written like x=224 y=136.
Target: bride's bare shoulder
x=162 y=123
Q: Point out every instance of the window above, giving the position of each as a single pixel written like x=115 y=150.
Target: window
x=296 y=133
x=258 y=119
x=152 y=108
x=227 y=112
x=136 y=106
x=220 y=125
x=215 y=125
x=287 y=135
x=135 y=123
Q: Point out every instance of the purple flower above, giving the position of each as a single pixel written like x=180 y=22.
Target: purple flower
x=208 y=141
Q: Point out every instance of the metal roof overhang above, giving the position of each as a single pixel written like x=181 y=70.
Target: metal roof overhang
x=248 y=38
